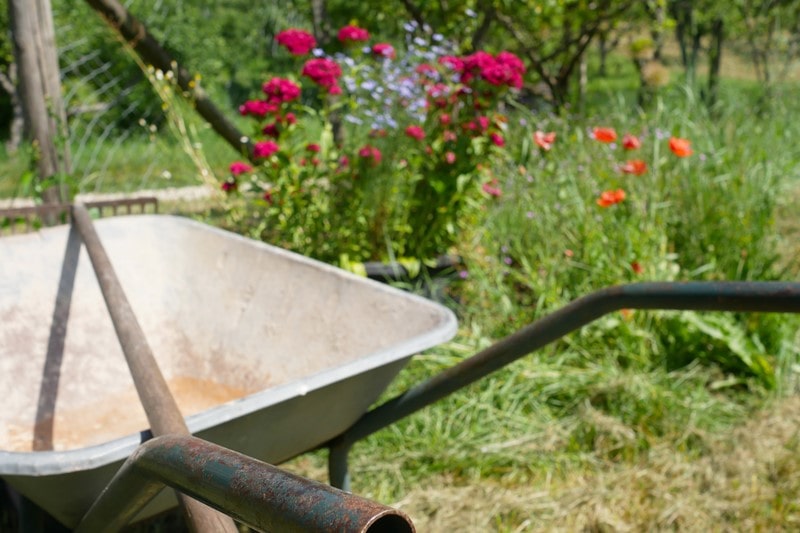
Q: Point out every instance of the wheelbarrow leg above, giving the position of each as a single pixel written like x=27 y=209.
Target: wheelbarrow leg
x=338 y=471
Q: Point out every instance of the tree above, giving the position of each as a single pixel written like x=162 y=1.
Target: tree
x=771 y=30
x=555 y=35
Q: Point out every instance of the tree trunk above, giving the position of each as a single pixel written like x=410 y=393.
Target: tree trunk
x=16 y=129
x=320 y=22
x=603 y=42
x=714 y=60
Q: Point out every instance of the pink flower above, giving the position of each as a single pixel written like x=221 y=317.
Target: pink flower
x=238 y=167
x=384 y=50
x=491 y=189
x=298 y=42
x=445 y=119
x=257 y=108
x=288 y=118
x=449 y=136
x=335 y=90
x=280 y=90
x=452 y=62
x=264 y=149
x=324 y=73
x=353 y=34
x=450 y=157
x=229 y=186
x=484 y=122
x=497 y=139
x=313 y=147
x=415 y=132
x=544 y=140
x=370 y=152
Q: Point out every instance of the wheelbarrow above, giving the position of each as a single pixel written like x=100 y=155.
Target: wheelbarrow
x=268 y=353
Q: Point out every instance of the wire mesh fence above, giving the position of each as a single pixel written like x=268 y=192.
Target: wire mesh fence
x=127 y=129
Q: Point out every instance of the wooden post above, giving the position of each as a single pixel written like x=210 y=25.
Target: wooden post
x=40 y=90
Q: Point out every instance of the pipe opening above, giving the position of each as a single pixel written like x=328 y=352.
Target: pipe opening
x=391 y=523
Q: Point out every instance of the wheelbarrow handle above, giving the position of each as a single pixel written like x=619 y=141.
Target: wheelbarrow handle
x=159 y=405
x=256 y=493
x=781 y=297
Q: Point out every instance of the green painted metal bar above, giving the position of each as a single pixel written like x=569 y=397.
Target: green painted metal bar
x=778 y=297
x=253 y=492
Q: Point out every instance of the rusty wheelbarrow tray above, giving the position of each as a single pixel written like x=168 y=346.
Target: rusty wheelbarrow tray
x=267 y=353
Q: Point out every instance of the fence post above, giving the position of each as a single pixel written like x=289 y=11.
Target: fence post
x=40 y=91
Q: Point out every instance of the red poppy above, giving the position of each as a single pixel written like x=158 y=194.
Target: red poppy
x=637 y=167
x=680 y=147
x=544 y=140
x=609 y=198
x=631 y=142
x=605 y=135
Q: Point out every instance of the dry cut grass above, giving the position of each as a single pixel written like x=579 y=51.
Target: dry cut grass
x=745 y=480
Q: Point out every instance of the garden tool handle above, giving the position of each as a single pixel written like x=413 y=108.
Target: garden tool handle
x=159 y=405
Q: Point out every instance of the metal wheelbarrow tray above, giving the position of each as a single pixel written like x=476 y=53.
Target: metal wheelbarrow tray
x=267 y=352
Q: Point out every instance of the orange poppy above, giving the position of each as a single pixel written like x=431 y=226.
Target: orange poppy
x=609 y=198
x=631 y=142
x=680 y=147
x=637 y=167
x=544 y=140
x=605 y=135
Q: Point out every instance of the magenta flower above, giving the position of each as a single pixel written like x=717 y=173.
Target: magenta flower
x=238 y=167
x=298 y=42
x=279 y=90
x=323 y=72
x=353 y=34
x=384 y=50
x=264 y=149
x=497 y=139
x=313 y=147
x=491 y=189
x=415 y=132
x=370 y=152
x=257 y=108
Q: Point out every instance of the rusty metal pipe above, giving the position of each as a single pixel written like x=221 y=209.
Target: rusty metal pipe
x=159 y=405
x=255 y=493
x=781 y=297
